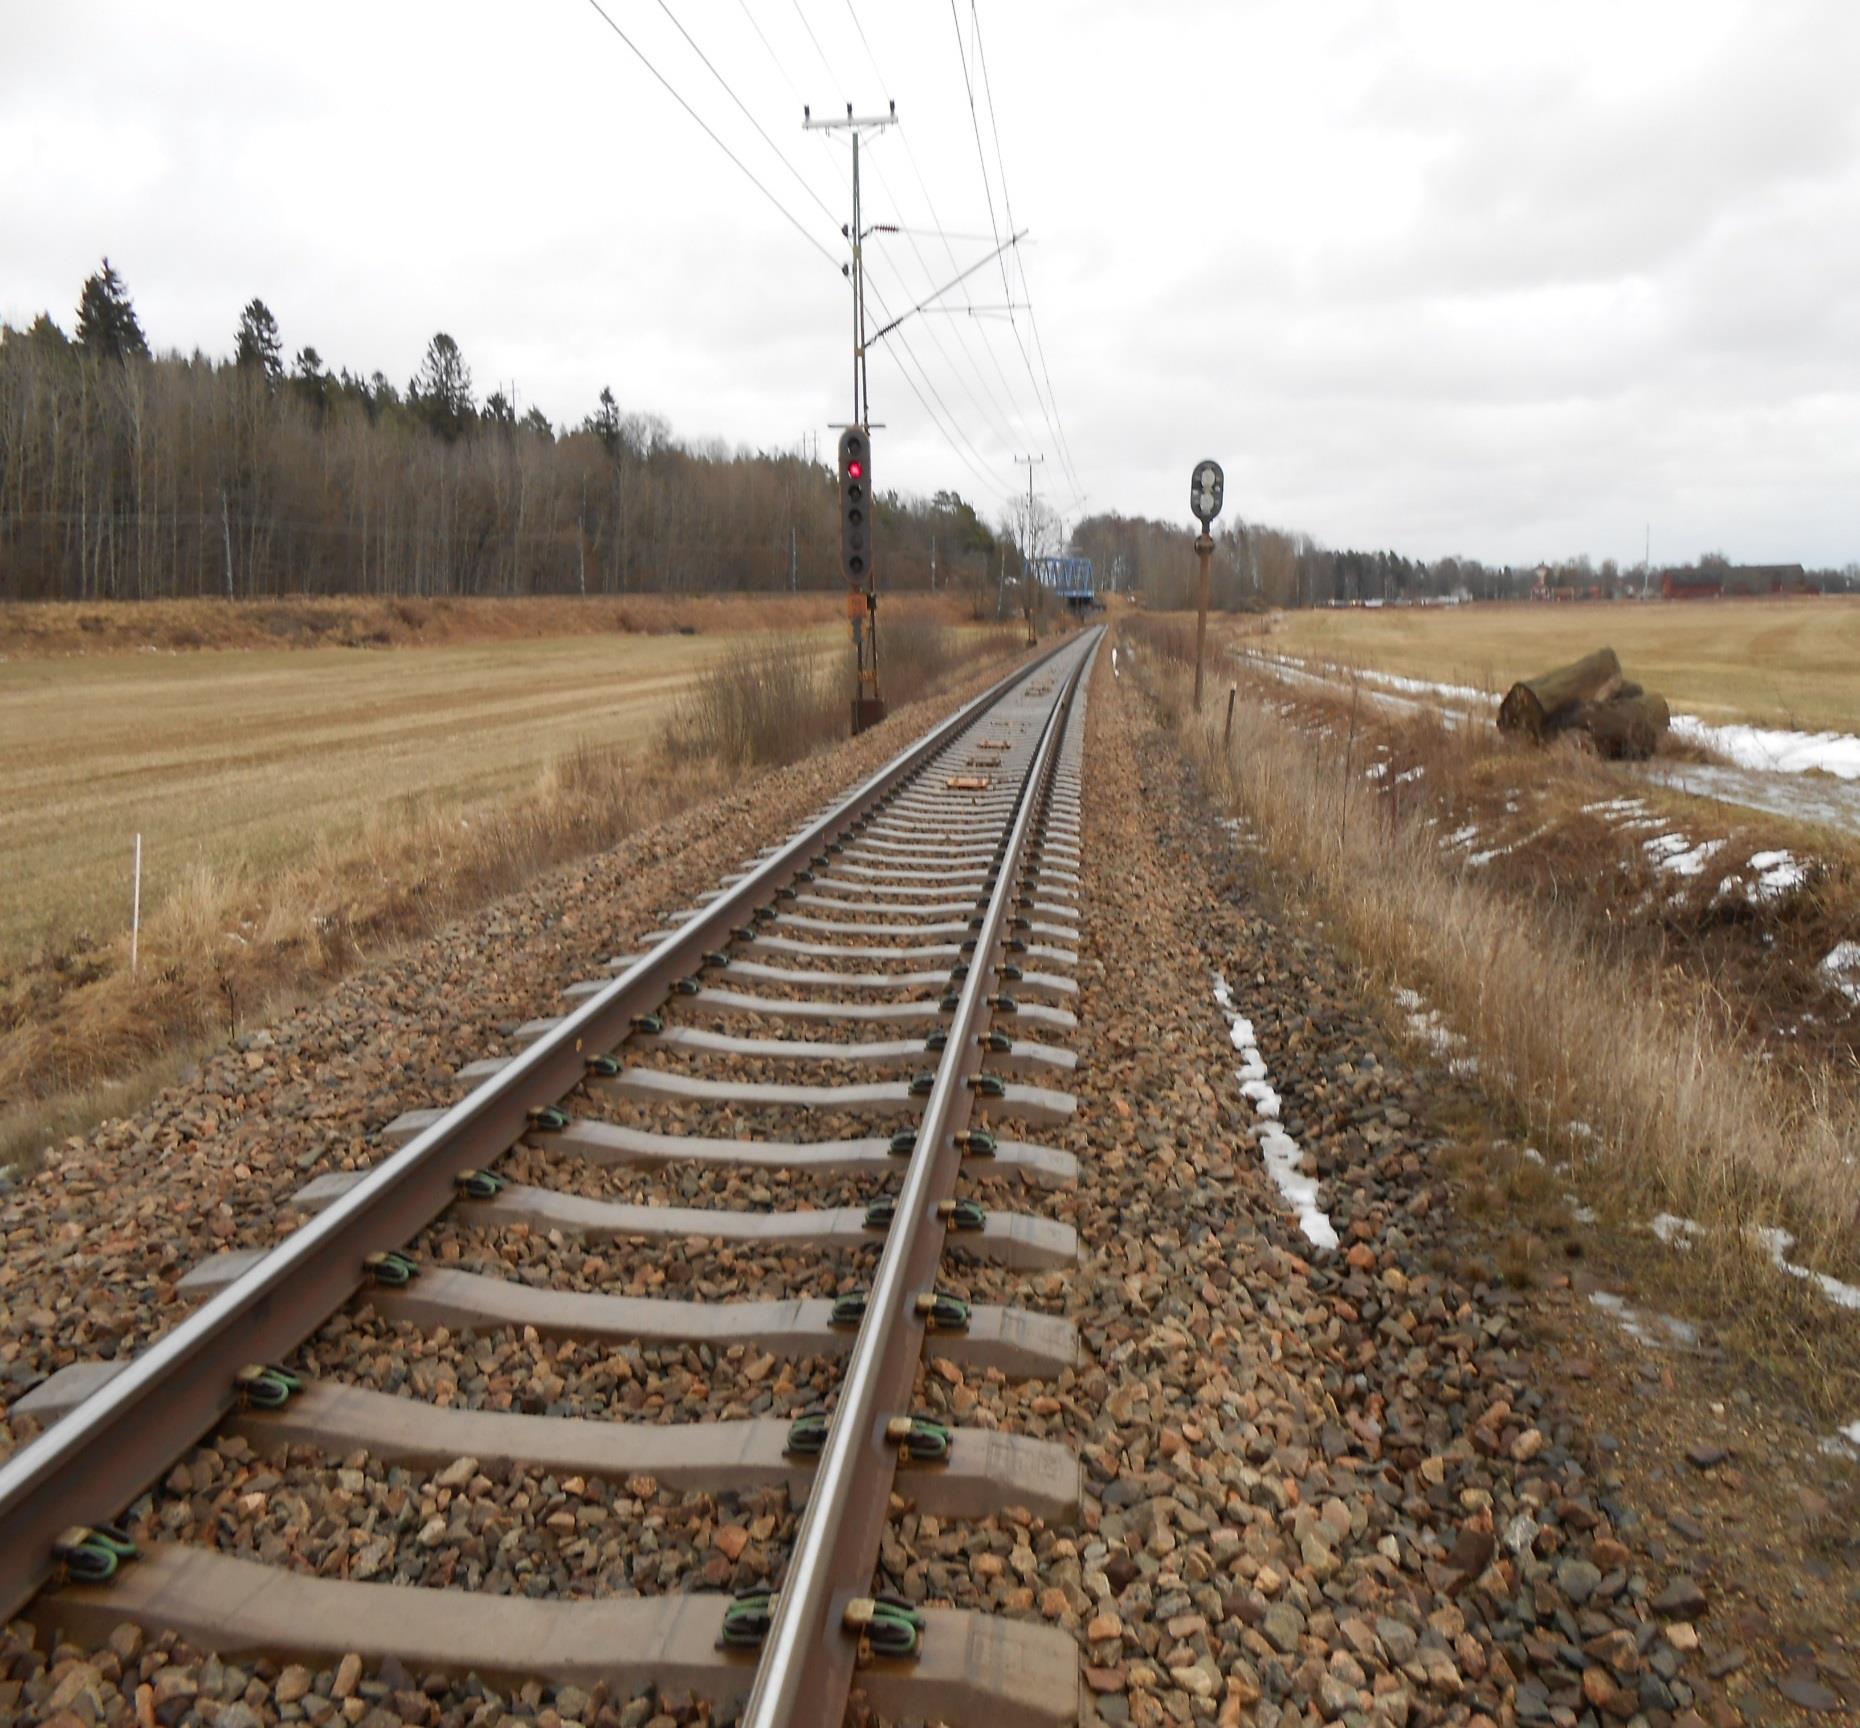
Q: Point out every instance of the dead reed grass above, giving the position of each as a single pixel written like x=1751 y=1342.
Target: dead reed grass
x=1657 y=1106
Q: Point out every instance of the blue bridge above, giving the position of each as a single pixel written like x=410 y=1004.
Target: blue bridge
x=1072 y=579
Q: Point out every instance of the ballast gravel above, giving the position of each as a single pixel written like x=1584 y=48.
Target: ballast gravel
x=1319 y=1487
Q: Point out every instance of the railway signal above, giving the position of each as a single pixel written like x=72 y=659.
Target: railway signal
x=868 y=707
x=1206 y=487
x=1204 y=492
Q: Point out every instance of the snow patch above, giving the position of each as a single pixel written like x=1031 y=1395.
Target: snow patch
x=1645 y=1328
x=1775 y=750
x=1408 y=776
x=1778 y=872
x=1779 y=1242
x=1283 y=1158
x=1843 y=969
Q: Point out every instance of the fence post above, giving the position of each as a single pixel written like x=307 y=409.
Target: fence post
x=1227 y=731
x=135 y=915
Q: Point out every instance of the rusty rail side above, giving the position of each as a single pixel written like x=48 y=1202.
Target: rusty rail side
x=87 y=1467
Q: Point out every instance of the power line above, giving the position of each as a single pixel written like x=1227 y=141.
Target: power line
x=816 y=42
x=994 y=123
x=998 y=416
x=981 y=158
x=753 y=121
x=1020 y=263
x=748 y=174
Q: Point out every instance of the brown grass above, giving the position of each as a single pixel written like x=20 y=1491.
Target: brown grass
x=35 y=629
x=1685 y=1115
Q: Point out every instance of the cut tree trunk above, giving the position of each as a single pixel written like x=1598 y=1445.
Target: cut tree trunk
x=1629 y=727
x=1535 y=706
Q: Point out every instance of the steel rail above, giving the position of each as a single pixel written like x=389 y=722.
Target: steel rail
x=85 y=1468
x=808 y=1654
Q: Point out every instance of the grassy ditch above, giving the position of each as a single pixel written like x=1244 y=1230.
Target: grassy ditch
x=1599 y=1049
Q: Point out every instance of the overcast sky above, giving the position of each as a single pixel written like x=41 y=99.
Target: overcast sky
x=1503 y=279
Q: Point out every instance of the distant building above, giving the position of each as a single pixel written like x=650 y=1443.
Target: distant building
x=1737 y=579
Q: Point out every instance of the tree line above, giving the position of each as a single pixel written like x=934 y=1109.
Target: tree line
x=1256 y=566
x=129 y=474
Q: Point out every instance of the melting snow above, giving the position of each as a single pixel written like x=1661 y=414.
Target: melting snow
x=1778 y=751
x=1779 y=1242
x=1284 y=1161
x=1640 y=1326
x=1843 y=969
x=1778 y=873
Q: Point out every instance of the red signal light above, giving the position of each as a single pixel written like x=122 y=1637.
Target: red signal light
x=855 y=469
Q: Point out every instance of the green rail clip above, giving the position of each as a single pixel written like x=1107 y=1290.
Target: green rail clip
x=746 y=1620
x=880 y=1214
x=651 y=1024
x=603 y=1067
x=265 y=1386
x=943 y=1312
x=921 y=1438
x=848 y=1310
x=807 y=1435
x=903 y=1144
x=977 y=1143
x=91 y=1553
x=392 y=1268
x=989 y=1085
x=548 y=1118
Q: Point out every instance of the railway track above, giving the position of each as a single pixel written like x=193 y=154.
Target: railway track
x=900 y=970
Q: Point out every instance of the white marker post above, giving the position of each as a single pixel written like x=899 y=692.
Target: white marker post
x=135 y=916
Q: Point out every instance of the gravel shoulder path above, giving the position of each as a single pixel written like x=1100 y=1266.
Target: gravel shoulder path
x=1322 y=1486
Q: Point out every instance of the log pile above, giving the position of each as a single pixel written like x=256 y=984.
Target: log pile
x=1590 y=696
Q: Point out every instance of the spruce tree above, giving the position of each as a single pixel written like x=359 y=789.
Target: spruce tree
x=106 y=322
x=440 y=392
x=258 y=345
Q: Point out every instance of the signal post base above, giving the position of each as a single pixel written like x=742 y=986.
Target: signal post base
x=866 y=711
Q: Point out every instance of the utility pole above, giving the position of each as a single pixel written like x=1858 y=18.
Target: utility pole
x=855 y=272
x=1026 y=551
x=858 y=503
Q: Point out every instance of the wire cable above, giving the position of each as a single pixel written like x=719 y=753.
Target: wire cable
x=1007 y=199
x=748 y=174
x=804 y=184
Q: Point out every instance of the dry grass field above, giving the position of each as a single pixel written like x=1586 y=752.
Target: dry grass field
x=241 y=764
x=1791 y=662
x=302 y=805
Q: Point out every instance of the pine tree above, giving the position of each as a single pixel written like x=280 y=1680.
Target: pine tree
x=106 y=322
x=440 y=392
x=604 y=423
x=258 y=345
x=309 y=378
x=42 y=332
